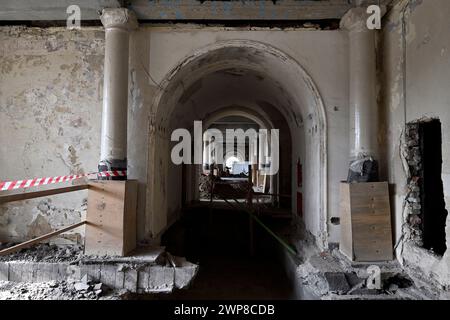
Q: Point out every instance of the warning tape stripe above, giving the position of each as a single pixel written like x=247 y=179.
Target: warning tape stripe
x=22 y=184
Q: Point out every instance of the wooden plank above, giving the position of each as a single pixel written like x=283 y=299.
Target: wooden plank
x=111 y=214
x=105 y=210
x=346 y=243
x=371 y=221
x=129 y=219
x=366 y=221
x=39 y=239
x=43 y=193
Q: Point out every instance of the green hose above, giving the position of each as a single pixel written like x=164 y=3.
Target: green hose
x=281 y=241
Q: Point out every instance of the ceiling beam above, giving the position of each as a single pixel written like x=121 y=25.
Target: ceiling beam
x=183 y=10
x=51 y=10
x=239 y=10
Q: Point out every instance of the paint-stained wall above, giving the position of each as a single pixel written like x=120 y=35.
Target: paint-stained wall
x=414 y=79
x=50 y=113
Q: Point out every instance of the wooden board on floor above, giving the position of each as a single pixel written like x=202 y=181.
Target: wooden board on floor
x=366 y=232
x=111 y=217
x=346 y=243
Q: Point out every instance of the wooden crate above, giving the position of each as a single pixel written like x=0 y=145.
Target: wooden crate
x=366 y=233
x=111 y=217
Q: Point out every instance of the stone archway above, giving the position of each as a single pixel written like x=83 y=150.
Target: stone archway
x=289 y=90
x=261 y=119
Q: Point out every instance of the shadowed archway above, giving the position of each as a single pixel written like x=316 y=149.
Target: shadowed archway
x=264 y=80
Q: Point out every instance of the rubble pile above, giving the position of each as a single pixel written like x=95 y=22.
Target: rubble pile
x=329 y=276
x=64 y=272
x=88 y=289
x=46 y=253
x=57 y=290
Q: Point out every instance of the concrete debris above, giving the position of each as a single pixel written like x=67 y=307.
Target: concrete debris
x=330 y=276
x=89 y=289
x=55 y=290
x=98 y=286
x=337 y=282
x=81 y=286
x=45 y=253
x=150 y=270
x=144 y=254
x=84 y=279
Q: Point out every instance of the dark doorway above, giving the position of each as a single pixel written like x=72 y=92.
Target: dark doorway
x=434 y=214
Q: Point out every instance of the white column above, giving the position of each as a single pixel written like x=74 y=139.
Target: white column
x=205 y=153
x=363 y=99
x=118 y=23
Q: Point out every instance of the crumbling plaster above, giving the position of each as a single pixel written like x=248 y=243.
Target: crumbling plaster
x=50 y=112
x=51 y=104
x=415 y=72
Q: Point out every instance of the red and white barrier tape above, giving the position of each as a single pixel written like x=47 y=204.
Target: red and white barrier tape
x=21 y=184
x=115 y=173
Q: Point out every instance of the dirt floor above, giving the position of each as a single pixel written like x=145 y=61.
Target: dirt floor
x=219 y=242
x=242 y=278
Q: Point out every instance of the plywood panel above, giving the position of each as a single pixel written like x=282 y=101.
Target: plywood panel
x=130 y=224
x=111 y=217
x=346 y=245
x=367 y=214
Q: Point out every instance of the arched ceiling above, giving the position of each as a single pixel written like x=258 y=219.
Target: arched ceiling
x=259 y=77
x=239 y=73
x=226 y=88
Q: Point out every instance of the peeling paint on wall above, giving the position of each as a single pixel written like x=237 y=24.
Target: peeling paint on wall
x=50 y=110
x=416 y=88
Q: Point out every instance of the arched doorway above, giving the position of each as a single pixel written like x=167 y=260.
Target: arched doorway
x=261 y=121
x=264 y=80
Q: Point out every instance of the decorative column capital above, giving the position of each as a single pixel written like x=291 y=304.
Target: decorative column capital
x=119 y=18
x=355 y=20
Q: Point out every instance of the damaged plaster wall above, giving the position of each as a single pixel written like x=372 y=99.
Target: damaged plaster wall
x=139 y=124
x=415 y=65
x=51 y=96
x=50 y=111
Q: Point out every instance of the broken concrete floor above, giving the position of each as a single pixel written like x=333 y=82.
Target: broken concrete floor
x=223 y=269
x=55 y=272
x=329 y=275
x=238 y=278
x=58 y=290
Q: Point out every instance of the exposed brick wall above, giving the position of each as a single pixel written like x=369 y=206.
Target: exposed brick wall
x=413 y=197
